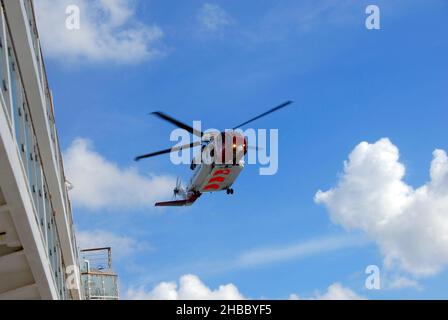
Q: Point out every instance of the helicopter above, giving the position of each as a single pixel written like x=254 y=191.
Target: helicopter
x=216 y=166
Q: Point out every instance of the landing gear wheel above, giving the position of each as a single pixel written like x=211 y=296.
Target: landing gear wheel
x=229 y=191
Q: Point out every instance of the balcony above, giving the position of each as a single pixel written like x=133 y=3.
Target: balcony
x=98 y=279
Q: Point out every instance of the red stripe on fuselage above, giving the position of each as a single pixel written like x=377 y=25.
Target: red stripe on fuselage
x=213 y=186
x=225 y=172
x=216 y=179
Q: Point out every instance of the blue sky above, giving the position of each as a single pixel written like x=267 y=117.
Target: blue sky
x=222 y=62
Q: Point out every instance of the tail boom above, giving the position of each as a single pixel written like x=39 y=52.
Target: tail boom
x=180 y=203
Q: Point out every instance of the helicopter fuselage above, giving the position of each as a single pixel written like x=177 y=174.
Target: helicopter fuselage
x=220 y=163
x=212 y=178
x=216 y=167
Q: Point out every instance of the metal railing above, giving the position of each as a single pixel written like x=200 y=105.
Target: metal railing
x=29 y=8
x=97 y=277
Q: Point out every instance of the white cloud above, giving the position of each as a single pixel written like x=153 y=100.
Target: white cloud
x=402 y=282
x=336 y=291
x=101 y=184
x=294 y=296
x=213 y=18
x=109 y=31
x=122 y=245
x=409 y=225
x=282 y=253
x=263 y=256
x=190 y=288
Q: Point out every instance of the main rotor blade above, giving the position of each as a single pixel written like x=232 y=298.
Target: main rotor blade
x=177 y=123
x=153 y=154
x=284 y=104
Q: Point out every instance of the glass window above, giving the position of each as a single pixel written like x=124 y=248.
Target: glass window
x=54 y=257
x=48 y=215
x=3 y=62
x=40 y=194
x=46 y=204
x=22 y=120
x=15 y=79
x=29 y=150
x=34 y=174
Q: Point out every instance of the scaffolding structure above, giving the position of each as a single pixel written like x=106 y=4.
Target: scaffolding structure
x=99 y=280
